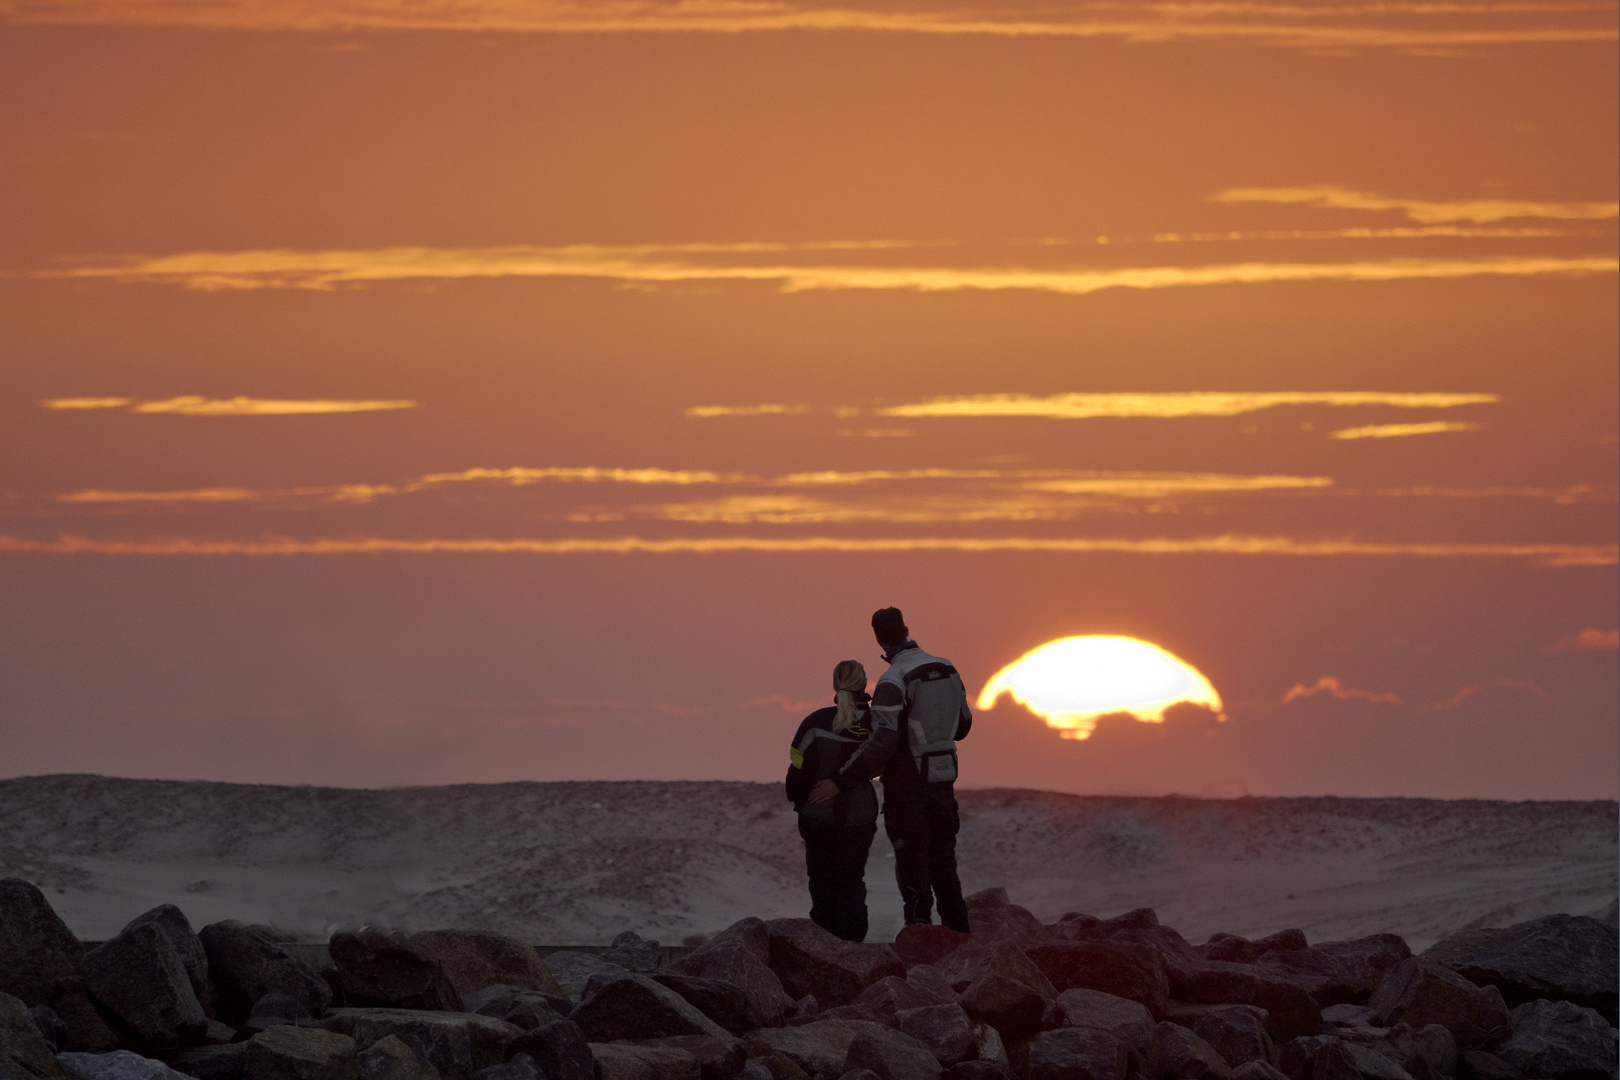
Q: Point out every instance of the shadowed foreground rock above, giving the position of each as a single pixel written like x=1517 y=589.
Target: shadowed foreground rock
x=139 y=978
x=390 y=971
x=476 y=960
x=247 y=962
x=1559 y=958
x=24 y=1054
x=809 y=960
x=456 y=1044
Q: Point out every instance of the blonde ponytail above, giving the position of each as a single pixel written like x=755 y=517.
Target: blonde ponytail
x=849 y=679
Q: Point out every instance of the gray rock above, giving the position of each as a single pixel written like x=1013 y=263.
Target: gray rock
x=891 y=994
x=980 y=957
x=1126 y=1020
x=819 y=1048
x=1479 y=1065
x=210 y=1062
x=391 y=1058
x=892 y=1055
x=1346 y=1016
x=1560 y=1039
x=87 y=1032
x=456 y=1044
x=771 y=1067
x=37 y=950
x=627 y=1005
x=1427 y=1053
x=559 y=1048
x=524 y=1009
x=572 y=970
x=1077 y=1053
x=116 y=1065
x=1238 y=1034
x=291 y=1052
x=977 y=1070
x=926 y=980
x=723 y=1002
x=24 y=1054
x=1232 y=948
x=1557 y=958
x=50 y=1027
x=193 y=957
x=1184 y=1056
x=390 y=971
x=1419 y=992
x=1336 y=1059
x=1011 y=1007
x=1359 y=965
x=1258 y=1070
x=1131 y=970
x=627 y=1061
x=717 y=1058
x=946 y=1030
x=247 y=962
x=476 y=959
x=633 y=952
x=521 y=1067
x=139 y=978
x=860 y=1074
x=1290 y=1011
x=810 y=960
x=739 y=956
x=991 y=1050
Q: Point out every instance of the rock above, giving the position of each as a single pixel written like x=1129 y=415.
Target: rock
x=1557 y=958
x=892 y=1055
x=177 y=928
x=139 y=978
x=1419 y=992
x=926 y=980
x=1077 y=1054
x=1184 y=1056
x=981 y=957
x=987 y=899
x=771 y=1067
x=1124 y=969
x=521 y=1067
x=1011 y=1007
x=891 y=994
x=476 y=960
x=992 y=1051
x=722 y=1002
x=1258 y=1070
x=1358 y=966
x=717 y=1058
x=1291 y=1012
x=627 y=1061
x=290 y=1052
x=116 y=1065
x=976 y=1070
x=1560 y=1039
x=1327 y=979
x=49 y=1026
x=809 y=960
x=805 y=1010
x=853 y=1012
x=210 y=1062
x=925 y=943
x=1126 y=1020
x=633 y=952
x=86 y=1030
x=1230 y=947
x=37 y=950
x=456 y=1044
x=1346 y=1016
x=391 y=1058
x=740 y=956
x=559 y=1048
x=246 y=962
x=24 y=1053
x=572 y=970
x=390 y=971
x=1238 y=1034
x=1336 y=1059
x=819 y=1048
x=860 y=1074
x=946 y=1030
x=219 y=1034
x=524 y=1009
x=627 y=1005
x=1478 y=1065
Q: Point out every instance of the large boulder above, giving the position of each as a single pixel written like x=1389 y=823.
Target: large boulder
x=1126 y=1020
x=391 y=1058
x=1184 y=1056
x=628 y=1061
x=1338 y=972
x=24 y=1053
x=247 y=962
x=1124 y=969
x=982 y=957
x=1560 y=1039
x=559 y=1048
x=819 y=1048
x=1290 y=1011
x=1337 y=1059
x=925 y=943
x=227 y=1062
x=115 y=1065
x=740 y=956
x=1013 y=1008
x=290 y=1052
x=717 y=1058
x=1238 y=1034
x=1077 y=1054
x=1557 y=958
x=477 y=959
x=187 y=946
x=633 y=952
x=389 y=970
x=809 y=960
x=37 y=950
x=723 y=1002
x=892 y=994
x=523 y=1008
x=891 y=1055
x=629 y=1005
x=947 y=1030
x=1419 y=991
x=456 y=1044
x=1239 y=950
x=139 y=978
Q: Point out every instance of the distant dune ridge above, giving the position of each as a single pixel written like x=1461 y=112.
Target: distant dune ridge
x=578 y=862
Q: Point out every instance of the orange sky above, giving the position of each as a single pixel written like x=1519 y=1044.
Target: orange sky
x=485 y=390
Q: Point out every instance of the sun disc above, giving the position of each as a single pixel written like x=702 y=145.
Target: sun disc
x=1074 y=681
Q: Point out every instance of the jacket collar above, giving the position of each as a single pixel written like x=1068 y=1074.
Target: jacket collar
x=888 y=657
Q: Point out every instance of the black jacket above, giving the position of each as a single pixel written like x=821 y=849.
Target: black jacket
x=818 y=753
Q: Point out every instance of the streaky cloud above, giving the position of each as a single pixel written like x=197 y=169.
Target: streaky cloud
x=1400 y=431
x=1550 y=555
x=1330 y=685
x=709 y=412
x=326 y=270
x=1172 y=404
x=86 y=402
x=1529 y=686
x=195 y=405
x=1590 y=639
x=1426 y=211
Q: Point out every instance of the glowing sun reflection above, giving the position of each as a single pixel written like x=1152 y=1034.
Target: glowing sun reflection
x=1072 y=682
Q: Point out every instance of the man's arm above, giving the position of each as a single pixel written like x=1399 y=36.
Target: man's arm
x=964 y=718
x=869 y=760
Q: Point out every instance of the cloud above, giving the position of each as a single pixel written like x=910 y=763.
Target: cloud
x=325 y=270
x=193 y=405
x=1526 y=685
x=1396 y=233
x=1430 y=212
x=1550 y=555
x=1591 y=638
x=1170 y=405
x=1396 y=431
x=706 y=412
x=786 y=703
x=1327 y=684
x=1279 y=24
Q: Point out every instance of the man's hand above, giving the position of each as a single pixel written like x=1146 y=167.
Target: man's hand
x=824 y=790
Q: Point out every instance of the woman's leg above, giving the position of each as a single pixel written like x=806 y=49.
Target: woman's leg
x=854 y=844
x=821 y=847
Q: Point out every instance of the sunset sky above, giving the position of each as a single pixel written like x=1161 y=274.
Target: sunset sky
x=476 y=390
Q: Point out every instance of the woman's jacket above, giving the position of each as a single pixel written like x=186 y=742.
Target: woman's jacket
x=817 y=753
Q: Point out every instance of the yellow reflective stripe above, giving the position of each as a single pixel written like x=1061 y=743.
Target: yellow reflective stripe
x=796 y=757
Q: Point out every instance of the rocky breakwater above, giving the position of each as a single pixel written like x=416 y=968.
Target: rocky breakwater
x=1081 y=998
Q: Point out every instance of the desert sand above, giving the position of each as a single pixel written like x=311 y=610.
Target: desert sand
x=575 y=863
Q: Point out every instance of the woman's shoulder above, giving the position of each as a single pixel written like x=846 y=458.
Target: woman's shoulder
x=821 y=718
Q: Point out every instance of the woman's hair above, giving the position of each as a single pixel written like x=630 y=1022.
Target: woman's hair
x=849 y=679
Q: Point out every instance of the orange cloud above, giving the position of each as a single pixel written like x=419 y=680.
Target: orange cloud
x=786 y=703
x=1479 y=211
x=1470 y=690
x=1591 y=638
x=1396 y=431
x=1170 y=405
x=193 y=405
x=705 y=412
x=87 y=402
x=1327 y=684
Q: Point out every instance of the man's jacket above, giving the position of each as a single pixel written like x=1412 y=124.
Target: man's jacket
x=919 y=713
x=818 y=753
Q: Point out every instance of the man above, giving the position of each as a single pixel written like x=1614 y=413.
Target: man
x=919 y=714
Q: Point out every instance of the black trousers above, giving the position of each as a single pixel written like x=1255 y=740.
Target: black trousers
x=835 y=857
x=922 y=824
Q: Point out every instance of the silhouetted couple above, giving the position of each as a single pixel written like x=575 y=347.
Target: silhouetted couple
x=906 y=733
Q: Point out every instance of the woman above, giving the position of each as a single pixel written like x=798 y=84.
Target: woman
x=838 y=831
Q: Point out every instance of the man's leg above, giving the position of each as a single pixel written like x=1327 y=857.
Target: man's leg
x=944 y=821
x=821 y=863
x=853 y=847
x=905 y=820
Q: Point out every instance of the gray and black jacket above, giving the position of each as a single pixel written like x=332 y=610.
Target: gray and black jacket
x=919 y=713
x=818 y=753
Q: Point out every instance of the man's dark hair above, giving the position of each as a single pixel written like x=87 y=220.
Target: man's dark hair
x=889 y=626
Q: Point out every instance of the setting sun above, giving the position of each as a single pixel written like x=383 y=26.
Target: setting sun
x=1072 y=682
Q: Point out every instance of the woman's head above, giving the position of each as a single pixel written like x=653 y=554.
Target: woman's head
x=849 y=679
x=849 y=675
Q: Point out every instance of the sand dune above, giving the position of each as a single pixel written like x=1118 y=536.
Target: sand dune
x=578 y=862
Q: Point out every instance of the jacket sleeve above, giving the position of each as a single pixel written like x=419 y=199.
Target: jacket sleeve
x=798 y=780
x=964 y=720
x=868 y=761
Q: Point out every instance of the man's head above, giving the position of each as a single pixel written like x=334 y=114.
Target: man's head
x=890 y=627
